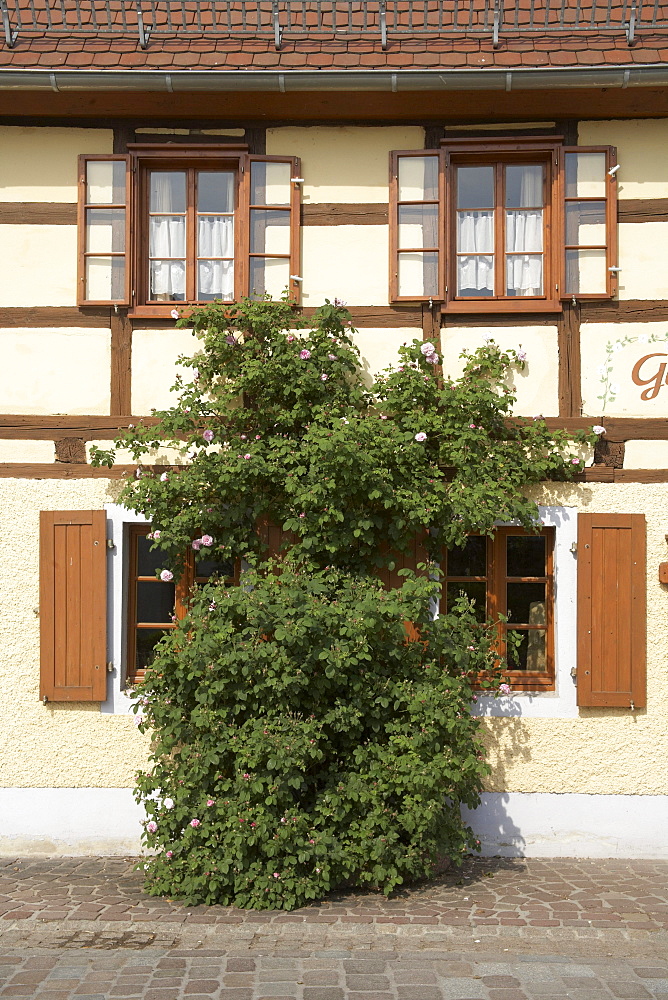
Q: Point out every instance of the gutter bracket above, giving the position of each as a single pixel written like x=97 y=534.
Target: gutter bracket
x=382 y=20
x=631 y=26
x=278 y=31
x=497 y=23
x=10 y=36
x=144 y=30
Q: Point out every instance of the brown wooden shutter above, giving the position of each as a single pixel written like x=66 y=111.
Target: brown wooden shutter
x=611 y=610
x=73 y=605
x=590 y=202
x=103 y=220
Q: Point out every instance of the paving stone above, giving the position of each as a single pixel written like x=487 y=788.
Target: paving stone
x=367 y=983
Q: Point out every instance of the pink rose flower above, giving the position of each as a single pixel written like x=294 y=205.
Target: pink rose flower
x=195 y=823
x=168 y=803
x=208 y=436
x=304 y=355
x=169 y=854
x=197 y=544
x=504 y=689
x=156 y=535
x=332 y=357
x=290 y=337
x=206 y=540
x=324 y=377
x=174 y=314
x=432 y=359
x=420 y=436
x=212 y=606
x=427 y=349
x=166 y=575
x=598 y=429
x=209 y=802
x=521 y=355
x=163 y=477
x=151 y=826
x=247 y=457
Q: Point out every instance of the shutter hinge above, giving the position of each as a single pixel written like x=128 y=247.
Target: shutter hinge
x=44 y=700
x=110 y=668
x=574 y=548
x=111 y=544
x=632 y=706
x=574 y=672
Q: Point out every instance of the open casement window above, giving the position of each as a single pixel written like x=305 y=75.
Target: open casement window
x=73 y=605
x=207 y=223
x=503 y=226
x=510 y=574
x=155 y=606
x=104 y=230
x=611 y=669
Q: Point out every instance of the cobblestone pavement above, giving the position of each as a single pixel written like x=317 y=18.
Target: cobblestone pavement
x=77 y=974
x=497 y=929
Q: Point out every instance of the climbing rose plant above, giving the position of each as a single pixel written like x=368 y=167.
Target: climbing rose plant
x=304 y=736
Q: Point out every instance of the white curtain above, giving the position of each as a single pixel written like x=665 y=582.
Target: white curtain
x=167 y=238
x=215 y=238
x=475 y=236
x=524 y=237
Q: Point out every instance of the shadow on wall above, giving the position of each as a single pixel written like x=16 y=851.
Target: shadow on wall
x=494 y=827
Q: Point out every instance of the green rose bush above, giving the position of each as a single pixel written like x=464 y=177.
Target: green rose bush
x=311 y=726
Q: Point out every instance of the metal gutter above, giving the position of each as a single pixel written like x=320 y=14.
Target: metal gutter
x=650 y=75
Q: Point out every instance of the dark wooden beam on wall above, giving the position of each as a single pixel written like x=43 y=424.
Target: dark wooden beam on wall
x=38 y=317
x=625 y=311
x=62 y=470
x=37 y=213
x=643 y=210
x=334 y=214
x=121 y=363
x=90 y=427
x=568 y=344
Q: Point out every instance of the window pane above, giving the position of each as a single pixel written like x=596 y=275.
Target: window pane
x=585 y=175
x=476 y=592
x=148 y=562
x=418 y=226
x=585 y=223
x=147 y=640
x=168 y=280
x=105 y=182
x=155 y=602
x=475 y=276
x=167 y=236
x=526 y=603
x=269 y=232
x=271 y=275
x=524 y=186
x=215 y=280
x=105 y=278
x=105 y=230
x=470 y=560
x=215 y=236
x=524 y=231
x=167 y=191
x=525 y=555
x=270 y=183
x=418 y=178
x=418 y=274
x=475 y=187
x=215 y=191
x=532 y=652
x=586 y=272
x=214 y=567
x=524 y=274
x=475 y=232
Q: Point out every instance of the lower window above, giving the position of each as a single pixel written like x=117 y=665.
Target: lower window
x=155 y=606
x=511 y=574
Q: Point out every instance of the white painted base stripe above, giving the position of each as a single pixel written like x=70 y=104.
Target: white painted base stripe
x=543 y=825
x=107 y=821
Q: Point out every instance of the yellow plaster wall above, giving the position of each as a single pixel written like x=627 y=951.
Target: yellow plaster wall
x=39 y=265
x=347 y=262
x=154 y=367
x=643 y=248
x=349 y=164
x=594 y=339
x=646 y=454
x=57 y=745
x=40 y=164
x=27 y=451
x=641 y=151
x=603 y=751
x=55 y=371
x=537 y=387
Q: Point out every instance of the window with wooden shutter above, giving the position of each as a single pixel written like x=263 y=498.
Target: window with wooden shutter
x=73 y=605
x=611 y=610
x=589 y=219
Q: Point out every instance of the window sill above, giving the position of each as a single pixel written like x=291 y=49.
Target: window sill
x=504 y=306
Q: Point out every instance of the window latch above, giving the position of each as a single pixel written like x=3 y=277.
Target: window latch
x=297 y=180
x=613 y=170
x=295 y=277
x=614 y=269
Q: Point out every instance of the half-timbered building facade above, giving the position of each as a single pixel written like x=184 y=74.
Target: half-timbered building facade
x=451 y=171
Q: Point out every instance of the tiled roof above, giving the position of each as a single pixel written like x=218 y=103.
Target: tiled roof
x=331 y=35
x=114 y=52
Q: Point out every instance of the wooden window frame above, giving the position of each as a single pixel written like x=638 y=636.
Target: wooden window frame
x=82 y=207
x=141 y=158
x=182 y=594
x=499 y=152
x=496 y=582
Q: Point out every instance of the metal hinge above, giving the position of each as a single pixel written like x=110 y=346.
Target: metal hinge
x=111 y=544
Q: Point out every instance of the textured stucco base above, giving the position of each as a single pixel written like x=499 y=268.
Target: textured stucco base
x=571 y=826
x=107 y=821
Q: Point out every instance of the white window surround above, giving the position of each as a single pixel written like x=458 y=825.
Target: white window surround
x=560 y=703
